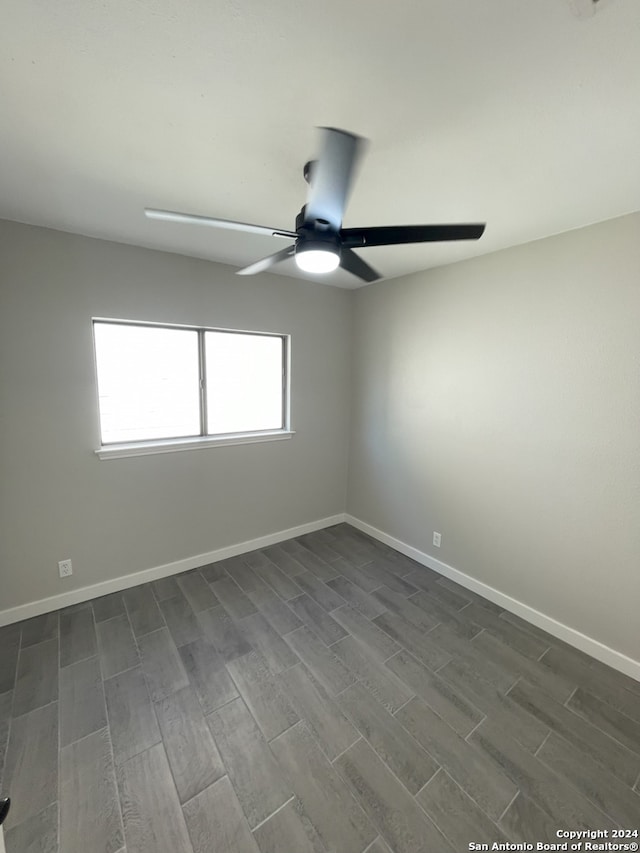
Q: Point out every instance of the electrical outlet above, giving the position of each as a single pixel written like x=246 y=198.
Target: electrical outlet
x=65 y=568
x=437 y=539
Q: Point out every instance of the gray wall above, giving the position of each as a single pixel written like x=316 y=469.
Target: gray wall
x=58 y=500
x=497 y=401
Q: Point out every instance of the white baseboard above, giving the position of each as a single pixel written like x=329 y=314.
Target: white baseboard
x=575 y=638
x=77 y=596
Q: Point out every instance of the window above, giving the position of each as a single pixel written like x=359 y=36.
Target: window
x=171 y=387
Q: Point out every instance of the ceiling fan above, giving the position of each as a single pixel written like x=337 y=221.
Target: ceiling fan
x=321 y=243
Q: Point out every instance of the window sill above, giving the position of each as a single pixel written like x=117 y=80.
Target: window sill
x=173 y=445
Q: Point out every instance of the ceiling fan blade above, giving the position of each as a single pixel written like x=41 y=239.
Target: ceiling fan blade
x=191 y=219
x=268 y=262
x=354 y=264
x=332 y=176
x=390 y=235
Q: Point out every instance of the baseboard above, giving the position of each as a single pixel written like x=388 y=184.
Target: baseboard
x=77 y=596
x=569 y=635
x=575 y=638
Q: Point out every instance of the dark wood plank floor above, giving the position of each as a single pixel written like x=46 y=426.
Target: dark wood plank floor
x=326 y=695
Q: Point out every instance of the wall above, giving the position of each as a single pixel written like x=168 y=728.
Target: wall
x=497 y=401
x=116 y=517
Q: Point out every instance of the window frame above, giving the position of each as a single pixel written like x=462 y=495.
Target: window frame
x=201 y=440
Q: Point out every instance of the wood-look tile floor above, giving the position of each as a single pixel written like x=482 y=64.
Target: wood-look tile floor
x=324 y=695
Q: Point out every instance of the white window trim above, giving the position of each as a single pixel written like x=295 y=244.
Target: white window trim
x=150 y=447
x=173 y=445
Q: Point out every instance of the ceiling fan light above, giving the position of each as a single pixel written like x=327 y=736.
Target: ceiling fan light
x=316 y=258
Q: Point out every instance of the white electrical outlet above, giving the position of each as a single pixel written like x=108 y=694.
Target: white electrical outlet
x=437 y=539
x=65 y=568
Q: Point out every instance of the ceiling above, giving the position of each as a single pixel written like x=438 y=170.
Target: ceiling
x=521 y=114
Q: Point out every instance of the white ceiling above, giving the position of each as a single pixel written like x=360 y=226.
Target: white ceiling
x=519 y=113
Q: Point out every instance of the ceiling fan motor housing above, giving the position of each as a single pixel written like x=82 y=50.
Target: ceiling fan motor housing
x=316 y=235
x=319 y=225
x=317 y=241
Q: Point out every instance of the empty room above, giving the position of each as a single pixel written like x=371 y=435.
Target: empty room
x=319 y=426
